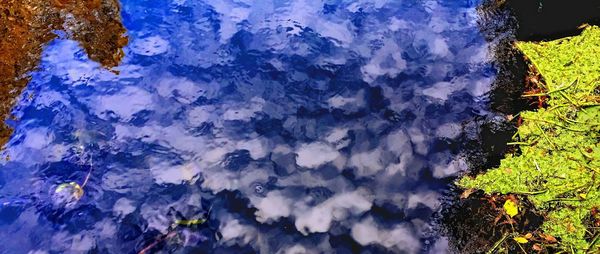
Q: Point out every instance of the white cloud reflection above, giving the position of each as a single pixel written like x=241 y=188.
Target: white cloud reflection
x=222 y=112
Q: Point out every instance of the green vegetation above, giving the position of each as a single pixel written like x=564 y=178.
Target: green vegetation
x=558 y=166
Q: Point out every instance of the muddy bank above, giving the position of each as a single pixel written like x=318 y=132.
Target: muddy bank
x=27 y=25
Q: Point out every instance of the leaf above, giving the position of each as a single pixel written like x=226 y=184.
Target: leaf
x=189 y=223
x=467 y=193
x=71 y=188
x=548 y=238
x=511 y=208
x=520 y=239
x=67 y=194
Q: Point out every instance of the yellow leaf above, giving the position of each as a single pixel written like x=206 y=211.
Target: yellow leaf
x=189 y=223
x=511 y=208
x=583 y=196
x=72 y=188
x=520 y=239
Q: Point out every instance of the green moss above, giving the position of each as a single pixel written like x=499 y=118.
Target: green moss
x=558 y=169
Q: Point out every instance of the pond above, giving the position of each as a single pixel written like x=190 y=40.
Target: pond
x=247 y=126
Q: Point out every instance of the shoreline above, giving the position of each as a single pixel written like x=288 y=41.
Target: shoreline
x=489 y=208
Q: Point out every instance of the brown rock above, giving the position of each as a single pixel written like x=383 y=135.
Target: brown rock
x=26 y=26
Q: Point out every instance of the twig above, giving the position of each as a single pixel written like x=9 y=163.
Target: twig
x=553 y=91
x=564 y=200
x=521 y=247
x=590 y=104
x=555 y=123
x=157 y=241
x=87 y=177
x=537 y=166
x=173 y=230
x=569 y=99
x=518 y=143
x=546 y=136
x=531 y=193
x=497 y=244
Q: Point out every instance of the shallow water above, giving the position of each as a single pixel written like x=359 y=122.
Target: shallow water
x=294 y=127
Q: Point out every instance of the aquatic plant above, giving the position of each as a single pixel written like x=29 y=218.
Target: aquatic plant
x=558 y=161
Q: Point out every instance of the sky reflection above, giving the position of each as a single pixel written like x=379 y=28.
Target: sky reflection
x=305 y=126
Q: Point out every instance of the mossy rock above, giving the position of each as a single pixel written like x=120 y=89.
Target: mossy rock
x=558 y=169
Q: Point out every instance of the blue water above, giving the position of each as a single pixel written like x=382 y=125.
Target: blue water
x=292 y=126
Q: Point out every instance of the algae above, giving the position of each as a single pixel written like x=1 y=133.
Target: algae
x=559 y=161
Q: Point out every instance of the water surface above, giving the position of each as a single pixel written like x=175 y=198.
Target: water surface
x=293 y=126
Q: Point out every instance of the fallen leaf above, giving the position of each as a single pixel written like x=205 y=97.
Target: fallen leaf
x=67 y=194
x=71 y=188
x=189 y=223
x=510 y=207
x=548 y=238
x=537 y=247
x=520 y=239
x=467 y=193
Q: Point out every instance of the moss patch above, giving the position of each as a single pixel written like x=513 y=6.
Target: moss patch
x=559 y=164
